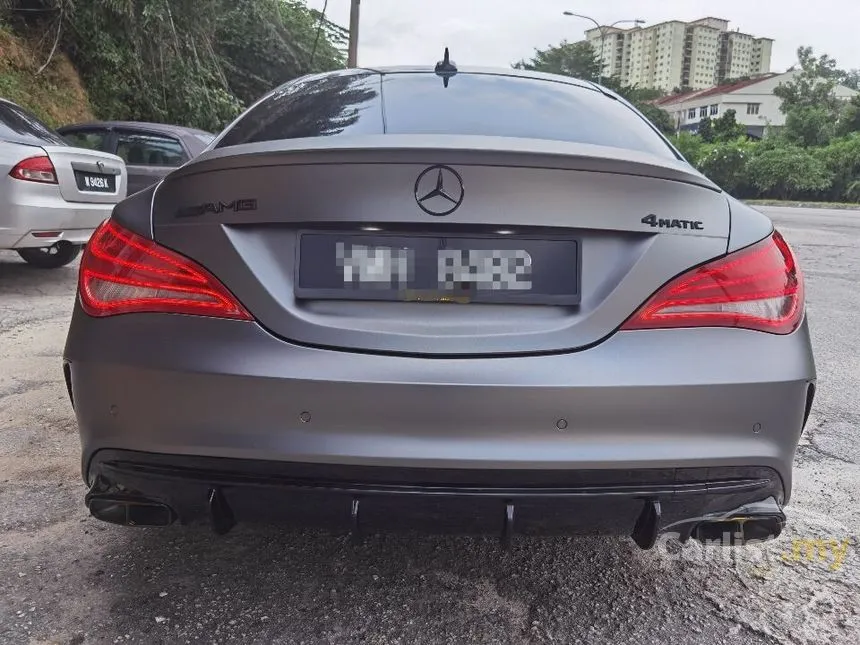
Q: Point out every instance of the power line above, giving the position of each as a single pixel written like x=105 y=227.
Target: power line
x=317 y=38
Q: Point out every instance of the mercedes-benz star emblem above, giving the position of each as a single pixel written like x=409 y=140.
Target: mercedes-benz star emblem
x=439 y=190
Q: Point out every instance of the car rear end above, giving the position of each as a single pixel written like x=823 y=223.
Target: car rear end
x=52 y=193
x=497 y=302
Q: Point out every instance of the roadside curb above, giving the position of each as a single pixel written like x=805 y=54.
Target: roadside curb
x=819 y=205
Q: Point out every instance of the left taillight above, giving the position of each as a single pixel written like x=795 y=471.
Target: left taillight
x=759 y=287
x=122 y=272
x=38 y=169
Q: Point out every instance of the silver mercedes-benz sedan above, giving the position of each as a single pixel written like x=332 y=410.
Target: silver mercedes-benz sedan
x=447 y=300
x=52 y=195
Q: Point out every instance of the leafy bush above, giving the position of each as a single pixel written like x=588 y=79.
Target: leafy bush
x=726 y=164
x=789 y=172
x=842 y=160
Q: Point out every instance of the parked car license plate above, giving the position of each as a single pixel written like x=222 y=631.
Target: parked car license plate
x=452 y=268
x=95 y=182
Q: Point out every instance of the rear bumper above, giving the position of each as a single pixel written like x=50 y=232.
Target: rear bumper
x=359 y=499
x=649 y=400
x=25 y=223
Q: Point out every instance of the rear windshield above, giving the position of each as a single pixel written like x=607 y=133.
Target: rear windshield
x=312 y=107
x=20 y=126
x=471 y=104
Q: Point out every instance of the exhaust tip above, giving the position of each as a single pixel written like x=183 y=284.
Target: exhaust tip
x=739 y=530
x=130 y=511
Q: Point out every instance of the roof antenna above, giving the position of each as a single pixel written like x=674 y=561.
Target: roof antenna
x=446 y=68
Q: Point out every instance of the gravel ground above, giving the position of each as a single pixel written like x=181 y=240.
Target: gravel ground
x=67 y=578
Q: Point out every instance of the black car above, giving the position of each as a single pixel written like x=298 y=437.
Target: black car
x=150 y=150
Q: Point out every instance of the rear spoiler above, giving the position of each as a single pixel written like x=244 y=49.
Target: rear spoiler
x=449 y=149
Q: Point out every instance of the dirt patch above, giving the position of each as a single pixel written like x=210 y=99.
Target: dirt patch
x=55 y=95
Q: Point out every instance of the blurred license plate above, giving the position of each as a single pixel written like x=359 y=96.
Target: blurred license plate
x=433 y=268
x=95 y=182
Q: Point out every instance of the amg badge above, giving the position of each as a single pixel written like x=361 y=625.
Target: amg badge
x=655 y=222
x=236 y=206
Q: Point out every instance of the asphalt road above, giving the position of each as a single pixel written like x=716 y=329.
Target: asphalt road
x=67 y=578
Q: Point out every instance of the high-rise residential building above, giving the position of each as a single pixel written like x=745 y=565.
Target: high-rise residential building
x=694 y=55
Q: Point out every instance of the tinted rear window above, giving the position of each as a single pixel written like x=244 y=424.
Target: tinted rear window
x=20 y=126
x=312 y=107
x=471 y=104
x=507 y=106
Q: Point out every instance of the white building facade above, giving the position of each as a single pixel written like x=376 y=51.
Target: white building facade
x=753 y=101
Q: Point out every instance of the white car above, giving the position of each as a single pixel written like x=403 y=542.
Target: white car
x=52 y=195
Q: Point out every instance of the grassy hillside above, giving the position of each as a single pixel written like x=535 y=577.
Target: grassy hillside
x=56 y=95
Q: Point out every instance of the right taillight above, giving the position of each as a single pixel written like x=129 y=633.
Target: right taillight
x=122 y=273
x=38 y=169
x=759 y=287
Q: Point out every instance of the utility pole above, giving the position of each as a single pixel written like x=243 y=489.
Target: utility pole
x=352 y=59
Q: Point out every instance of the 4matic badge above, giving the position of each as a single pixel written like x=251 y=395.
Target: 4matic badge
x=658 y=222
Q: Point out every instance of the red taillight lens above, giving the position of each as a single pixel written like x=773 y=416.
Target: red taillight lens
x=122 y=272
x=759 y=287
x=39 y=169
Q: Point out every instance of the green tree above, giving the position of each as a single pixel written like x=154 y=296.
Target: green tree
x=849 y=78
x=569 y=59
x=189 y=62
x=706 y=130
x=727 y=128
x=813 y=84
x=808 y=100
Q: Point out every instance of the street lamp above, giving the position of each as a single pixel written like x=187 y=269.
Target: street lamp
x=603 y=30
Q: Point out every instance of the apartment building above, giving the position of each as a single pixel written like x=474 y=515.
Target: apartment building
x=672 y=54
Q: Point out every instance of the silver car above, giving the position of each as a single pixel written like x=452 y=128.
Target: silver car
x=448 y=300
x=52 y=195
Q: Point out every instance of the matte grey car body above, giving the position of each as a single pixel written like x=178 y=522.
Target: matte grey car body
x=48 y=214
x=150 y=150
x=524 y=414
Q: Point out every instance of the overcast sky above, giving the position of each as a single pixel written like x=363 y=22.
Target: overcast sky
x=500 y=32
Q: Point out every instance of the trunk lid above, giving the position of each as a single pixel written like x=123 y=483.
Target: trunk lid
x=249 y=213
x=88 y=176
